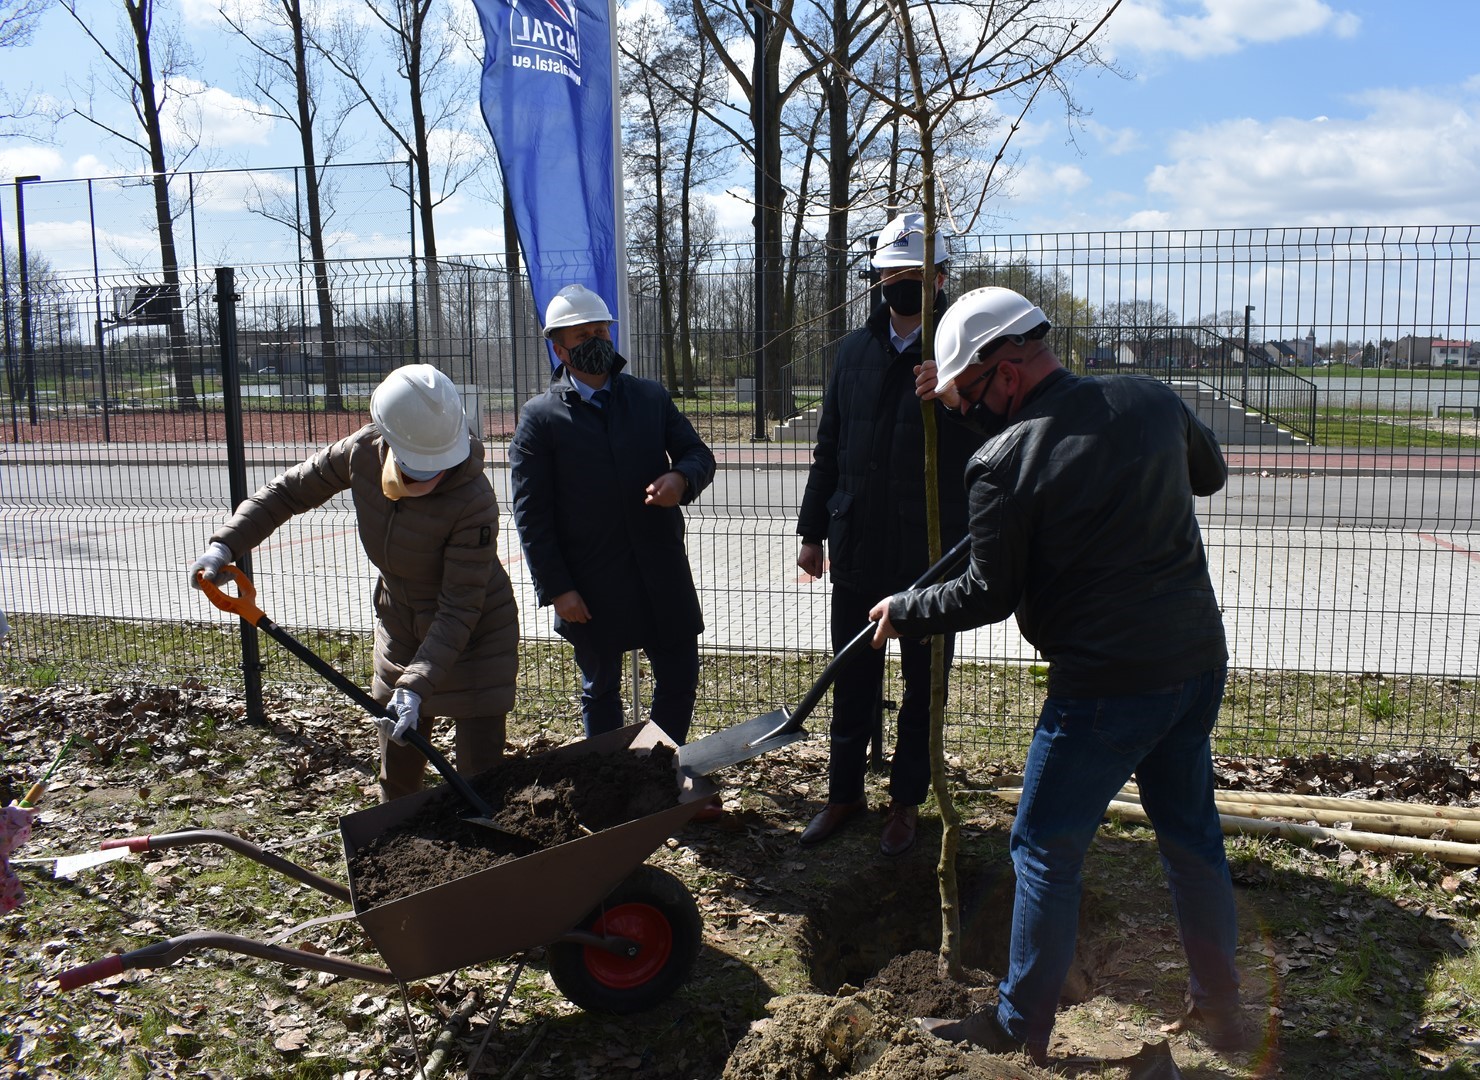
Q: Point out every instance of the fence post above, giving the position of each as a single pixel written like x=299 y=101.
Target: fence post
x=236 y=471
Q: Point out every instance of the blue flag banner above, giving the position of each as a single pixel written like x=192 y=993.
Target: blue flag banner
x=549 y=101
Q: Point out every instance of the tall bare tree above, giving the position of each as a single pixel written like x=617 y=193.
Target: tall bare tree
x=426 y=98
x=1014 y=54
x=149 y=68
x=282 y=75
x=669 y=85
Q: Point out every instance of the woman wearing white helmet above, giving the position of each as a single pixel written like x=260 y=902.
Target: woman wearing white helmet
x=446 y=624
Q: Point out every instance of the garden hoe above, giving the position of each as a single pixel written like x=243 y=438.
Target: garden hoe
x=244 y=604
x=780 y=727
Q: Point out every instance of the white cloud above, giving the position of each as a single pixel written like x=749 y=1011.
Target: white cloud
x=24 y=160
x=1196 y=28
x=216 y=116
x=1412 y=157
x=1038 y=179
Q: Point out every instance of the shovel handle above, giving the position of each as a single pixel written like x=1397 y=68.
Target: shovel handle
x=944 y=565
x=244 y=603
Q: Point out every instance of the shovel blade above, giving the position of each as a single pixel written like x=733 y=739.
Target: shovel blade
x=739 y=743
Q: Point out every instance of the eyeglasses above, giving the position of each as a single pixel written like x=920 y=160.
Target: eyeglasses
x=985 y=376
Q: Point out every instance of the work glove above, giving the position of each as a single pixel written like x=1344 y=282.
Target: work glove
x=210 y=562
x=404 y=708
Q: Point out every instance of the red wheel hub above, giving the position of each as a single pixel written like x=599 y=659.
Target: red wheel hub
x=641 y=923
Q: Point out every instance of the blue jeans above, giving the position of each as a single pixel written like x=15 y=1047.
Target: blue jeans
x=675 y=667
x=1083 y=751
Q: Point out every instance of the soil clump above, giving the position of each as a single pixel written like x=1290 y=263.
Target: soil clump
x=541 y=801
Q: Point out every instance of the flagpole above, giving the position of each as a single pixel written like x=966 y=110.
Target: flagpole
x=619 y=194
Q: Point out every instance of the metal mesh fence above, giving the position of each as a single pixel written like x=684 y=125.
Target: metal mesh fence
x=1337 y=366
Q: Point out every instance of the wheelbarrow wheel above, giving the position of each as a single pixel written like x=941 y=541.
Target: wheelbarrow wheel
x=652 y=908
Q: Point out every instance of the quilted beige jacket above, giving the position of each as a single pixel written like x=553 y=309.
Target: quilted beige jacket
x=447 y=626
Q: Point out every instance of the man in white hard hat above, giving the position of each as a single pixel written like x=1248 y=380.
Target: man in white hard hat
x=446 y=623
x=601 y=463
x=865 y=501
x=1083 y=525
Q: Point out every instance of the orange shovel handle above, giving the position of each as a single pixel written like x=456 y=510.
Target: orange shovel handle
x=244 y=603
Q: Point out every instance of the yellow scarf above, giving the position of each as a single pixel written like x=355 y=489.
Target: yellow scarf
x=397 y=487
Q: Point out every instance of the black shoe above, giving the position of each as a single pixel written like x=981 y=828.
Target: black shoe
x=982 y=1029
x=1225 y=1030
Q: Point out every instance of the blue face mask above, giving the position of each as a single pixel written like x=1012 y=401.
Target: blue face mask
x=594 y=356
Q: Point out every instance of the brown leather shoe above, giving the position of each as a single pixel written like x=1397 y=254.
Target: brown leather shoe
x=899 y=829
x=832 y=818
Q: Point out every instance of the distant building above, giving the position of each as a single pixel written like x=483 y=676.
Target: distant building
x=1449 y=354
x=1415 y=351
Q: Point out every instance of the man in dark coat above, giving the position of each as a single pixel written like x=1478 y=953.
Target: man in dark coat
x=865 y=497
x=600 y=464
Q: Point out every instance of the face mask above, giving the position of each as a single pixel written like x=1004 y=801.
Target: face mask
x=987 y=420
x=594 y=356
x=904 y=297
x=395 y=486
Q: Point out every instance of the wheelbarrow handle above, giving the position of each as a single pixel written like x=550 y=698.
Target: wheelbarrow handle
x=860 y=642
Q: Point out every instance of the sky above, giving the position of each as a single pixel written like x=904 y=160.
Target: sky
x=1227 y=114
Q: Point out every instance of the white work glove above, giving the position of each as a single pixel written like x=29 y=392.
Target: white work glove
x=210 y=562
x=404 y=708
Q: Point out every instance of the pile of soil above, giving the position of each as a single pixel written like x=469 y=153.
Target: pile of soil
x=538 y=802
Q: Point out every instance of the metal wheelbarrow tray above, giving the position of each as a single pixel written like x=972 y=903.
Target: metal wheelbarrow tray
x=622 y=936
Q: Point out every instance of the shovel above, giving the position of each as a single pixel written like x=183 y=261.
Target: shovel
x=781 y=727
x=244 y=604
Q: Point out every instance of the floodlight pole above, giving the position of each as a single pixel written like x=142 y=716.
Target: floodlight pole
x=761 y=110
x=28 y=346
x=1248 y=309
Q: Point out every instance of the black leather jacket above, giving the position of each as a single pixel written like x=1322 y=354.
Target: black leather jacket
x=1083 y=525
x=865 y=493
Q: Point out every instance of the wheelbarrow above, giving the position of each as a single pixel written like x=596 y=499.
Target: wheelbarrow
x=621 y=936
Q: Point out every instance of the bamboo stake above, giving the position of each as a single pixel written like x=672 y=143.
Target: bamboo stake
x=1444 y=850
x=1233 y=802
x=1327 y=802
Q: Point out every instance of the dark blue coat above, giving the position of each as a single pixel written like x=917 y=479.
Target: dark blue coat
x=580 y=475
x=865 y=492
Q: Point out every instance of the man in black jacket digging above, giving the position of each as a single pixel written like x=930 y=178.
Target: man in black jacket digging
x=1083 y=526
x=865 y=498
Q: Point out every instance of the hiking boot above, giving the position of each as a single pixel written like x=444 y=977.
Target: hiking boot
x=1225 y=1030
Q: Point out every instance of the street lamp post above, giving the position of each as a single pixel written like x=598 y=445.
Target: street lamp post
x=28 y=346
x=1248 y=310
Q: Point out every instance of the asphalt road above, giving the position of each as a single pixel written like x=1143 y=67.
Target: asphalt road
x=1342 y=570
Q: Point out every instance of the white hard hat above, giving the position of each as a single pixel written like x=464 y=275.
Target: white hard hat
x=575 y=305
x=902 y=243
x=420 y=415
x=977 y=318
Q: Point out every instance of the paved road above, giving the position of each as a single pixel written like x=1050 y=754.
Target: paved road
x=1370 y=564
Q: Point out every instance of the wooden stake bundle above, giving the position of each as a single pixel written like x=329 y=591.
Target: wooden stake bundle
x=1445 y=850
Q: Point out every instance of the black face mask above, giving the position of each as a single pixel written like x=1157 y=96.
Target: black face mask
x=987 y=420
x=594 y=356
x=904 y=297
